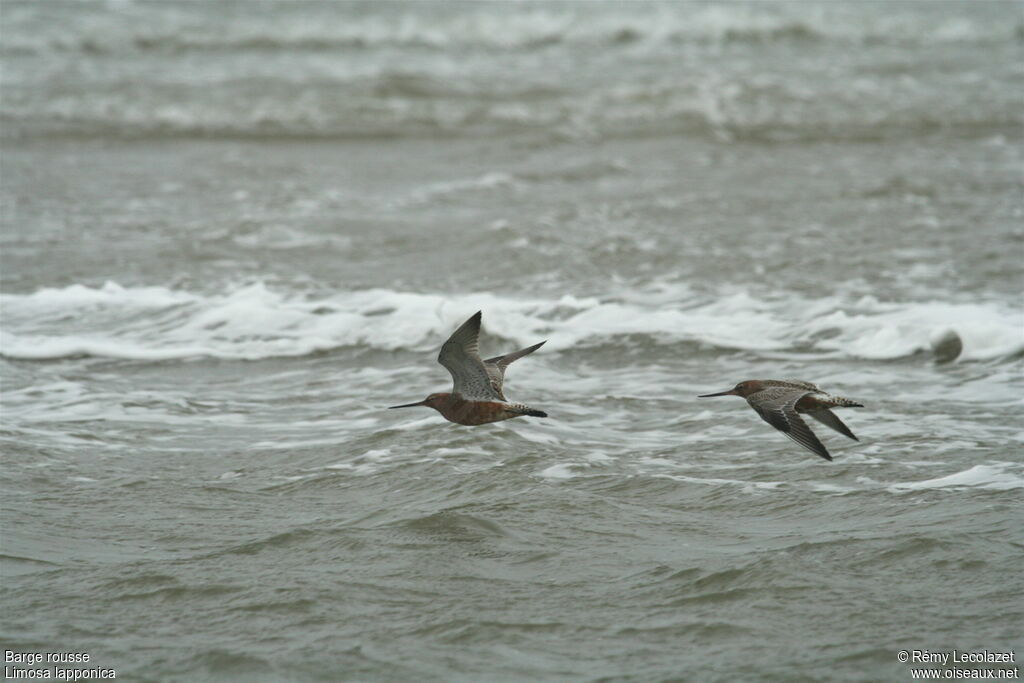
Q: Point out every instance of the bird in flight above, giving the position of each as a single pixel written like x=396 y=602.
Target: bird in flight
x=780 y=402
x=476 y=397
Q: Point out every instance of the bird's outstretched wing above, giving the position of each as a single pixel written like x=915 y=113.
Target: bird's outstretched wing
x=795 y=383
x=496 y=366
x=462 y=359
x=777 y=407
x=830 y=419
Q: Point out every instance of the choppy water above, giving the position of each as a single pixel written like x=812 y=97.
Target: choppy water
x=234 y=232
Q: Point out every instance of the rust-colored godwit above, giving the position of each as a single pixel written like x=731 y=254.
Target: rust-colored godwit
x=779 y=403
x=476 y=397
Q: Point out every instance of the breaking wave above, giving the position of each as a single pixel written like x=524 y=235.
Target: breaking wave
x=253 y=321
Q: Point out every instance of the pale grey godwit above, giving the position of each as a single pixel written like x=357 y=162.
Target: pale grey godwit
x=778 y=402
x=476 y=397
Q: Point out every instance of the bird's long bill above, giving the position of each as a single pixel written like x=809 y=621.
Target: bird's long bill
x=410 y=405
x=730 y=392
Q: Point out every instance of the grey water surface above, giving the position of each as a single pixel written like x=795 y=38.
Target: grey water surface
x=234 y=232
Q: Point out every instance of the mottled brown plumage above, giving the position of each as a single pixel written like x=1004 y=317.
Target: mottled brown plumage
x=477 y=395
x=779 y=403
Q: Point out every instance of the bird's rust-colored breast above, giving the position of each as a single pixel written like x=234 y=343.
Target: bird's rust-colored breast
x=464 y=412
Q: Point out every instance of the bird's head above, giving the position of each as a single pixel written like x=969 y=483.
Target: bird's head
x=745 y=388
x=433 y=401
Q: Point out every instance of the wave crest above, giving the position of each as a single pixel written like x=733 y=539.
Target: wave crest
x=253 y=321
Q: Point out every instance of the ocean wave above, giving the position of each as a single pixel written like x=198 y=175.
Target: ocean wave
x=184 y=28
x=400 y=104
x=254 y=321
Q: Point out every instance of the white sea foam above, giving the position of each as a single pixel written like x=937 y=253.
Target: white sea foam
x=486 y=182
x=746 y=485
x=61 y=300
x=882 y=330
x=979 y=476
x=254 y=321
x=559 y=471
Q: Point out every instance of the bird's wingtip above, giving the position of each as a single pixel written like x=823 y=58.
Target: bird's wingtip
x=536 y=346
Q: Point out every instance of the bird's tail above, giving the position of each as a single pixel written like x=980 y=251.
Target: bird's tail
x=521 y=409
x=841 y=402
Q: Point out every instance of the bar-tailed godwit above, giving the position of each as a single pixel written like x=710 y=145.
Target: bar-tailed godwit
x=779 y=403
x=476 y=397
